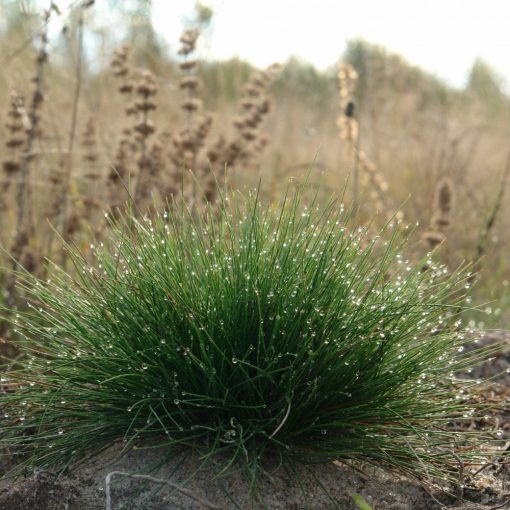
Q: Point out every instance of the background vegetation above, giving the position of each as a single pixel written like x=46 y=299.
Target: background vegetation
x=79 y=131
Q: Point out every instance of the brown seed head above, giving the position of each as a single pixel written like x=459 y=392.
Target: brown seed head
x=14 y=142
x=191 y=104
x=433 y=238
x=145 y=105
x=444 y=196
x=145 y=128
x=188 y=65
x=189 y=83
x=146 y=87
x=126 y=88
x=10 y=166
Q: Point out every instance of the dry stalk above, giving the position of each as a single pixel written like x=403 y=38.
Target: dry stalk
x=120 y=171
x=86 y=210
x=144 y=128
x=348 y=126
x=135 y=142
x=188 y=142
x=14 y=142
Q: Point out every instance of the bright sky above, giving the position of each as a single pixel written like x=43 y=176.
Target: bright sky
x=442 y=36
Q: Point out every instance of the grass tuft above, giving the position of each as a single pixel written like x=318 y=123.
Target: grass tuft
x=254 y=331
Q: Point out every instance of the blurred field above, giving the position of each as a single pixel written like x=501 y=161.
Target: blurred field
x=77 y=159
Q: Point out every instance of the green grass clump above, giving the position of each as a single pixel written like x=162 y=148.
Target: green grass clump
x=256 y=331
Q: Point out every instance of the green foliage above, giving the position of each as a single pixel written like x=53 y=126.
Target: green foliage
x=254 y=331
x=361 y=503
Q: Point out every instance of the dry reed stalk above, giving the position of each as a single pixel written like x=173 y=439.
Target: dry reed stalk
x=14 y=142
x=89 y=145
x=134 y=144
x=348 y=126
x=120 y=171
x=85 y=211
x=144 y=128
x=188 y=142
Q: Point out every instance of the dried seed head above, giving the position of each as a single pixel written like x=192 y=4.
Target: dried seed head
x=217 y=150
x=239 y=121
x=444 y=196
x=13 y=126
x=433 y=238
x=247 y=103
x=42 y=56
x=264 y=106
x=189 y=83
x=119 y=168
x=188 y=41
x=249 y=134
x=91 y=203
x=16 y=133
x=348 y=126
x=146 y=87
x=119 y=62
x=191 y=104
x=126 y=88
x=204 y=126
x=145 y=128
x=10 y=166
x=15 y=105
x=14 y=142
x=252 y=90
x=440 y=220
x=260 y=80
x=89 y=143
x=131 y=109
x=145 y=105
x=188 y=65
